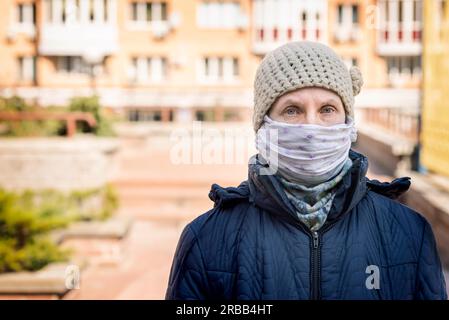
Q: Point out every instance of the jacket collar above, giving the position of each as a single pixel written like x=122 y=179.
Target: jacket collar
x=266 y=192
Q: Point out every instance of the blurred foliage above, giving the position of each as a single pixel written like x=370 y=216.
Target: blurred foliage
x=92 y=105
x=27 y=217
x=14 y=104
x=45 y=128
x=27 y=128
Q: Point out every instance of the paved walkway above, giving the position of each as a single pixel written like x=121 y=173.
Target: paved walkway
x=162 y=198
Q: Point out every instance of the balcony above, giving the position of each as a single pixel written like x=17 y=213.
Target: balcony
x=399 y=27
x=399 y=41
x=267 y=39
x=75 y=39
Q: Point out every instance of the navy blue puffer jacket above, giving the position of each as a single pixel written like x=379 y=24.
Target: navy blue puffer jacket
x=251 y=245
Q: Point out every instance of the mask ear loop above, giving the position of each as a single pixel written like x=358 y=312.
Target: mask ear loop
x=349 y=119
x=353 y=134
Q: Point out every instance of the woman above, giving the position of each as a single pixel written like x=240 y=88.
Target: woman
x=308 y=223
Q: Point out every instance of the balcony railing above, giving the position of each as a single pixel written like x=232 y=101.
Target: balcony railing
x=400 y=122
x=400 y=39
x=75 y=39
x=269 y=38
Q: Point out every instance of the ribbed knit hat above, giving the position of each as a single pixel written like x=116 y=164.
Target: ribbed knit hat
x=303 y=64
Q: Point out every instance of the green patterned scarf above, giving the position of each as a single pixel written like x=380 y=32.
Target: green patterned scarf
x=312 y=204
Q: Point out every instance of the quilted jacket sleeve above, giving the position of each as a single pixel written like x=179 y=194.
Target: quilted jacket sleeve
x=188 y=279
x=430 y=280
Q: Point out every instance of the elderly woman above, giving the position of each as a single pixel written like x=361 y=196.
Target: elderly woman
x=308 y=223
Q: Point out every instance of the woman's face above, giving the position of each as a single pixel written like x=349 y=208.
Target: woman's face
x=309 y=106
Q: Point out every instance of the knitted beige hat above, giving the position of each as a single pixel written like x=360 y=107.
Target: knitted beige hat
x=303 y=64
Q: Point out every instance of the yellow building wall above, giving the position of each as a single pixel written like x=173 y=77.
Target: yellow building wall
x=435 y=110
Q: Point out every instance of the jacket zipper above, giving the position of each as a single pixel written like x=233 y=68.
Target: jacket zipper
x=315 y=268
x=315 y=293
x=315 y=274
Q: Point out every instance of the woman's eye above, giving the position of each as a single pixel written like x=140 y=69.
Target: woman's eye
x=291 y=111
x=328 y=109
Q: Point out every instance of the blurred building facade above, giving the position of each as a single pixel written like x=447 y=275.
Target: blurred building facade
x=435 y=111
x=182 y=60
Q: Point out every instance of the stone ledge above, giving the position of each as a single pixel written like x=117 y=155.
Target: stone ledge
x=385 y=150
x=399 y=146
x=100 y=242
x=426 y=185
x=114 y=228
x=59 y=144
x=49 y=282
x=56 y=163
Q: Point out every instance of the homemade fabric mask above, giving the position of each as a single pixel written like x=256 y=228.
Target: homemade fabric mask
x=308 y=154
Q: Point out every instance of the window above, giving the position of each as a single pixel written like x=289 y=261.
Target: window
x=218 y=14
x=231 y=115
x=65 y=11
x=24 y=19
x=355 y=14
x=105 y=9
x=406 y=65
x=91 y=11
x=417 y=10
x=347 y=14
x=304 y=25
x=146 y=69
x=72 y=65
x=27 y=68
x=144 y=12
x=68 y=64
x=26 y=13
x=220 y=69
x=347 y=23
x=136 y=115
x=340 y=14
x=416 y=65
x=235 y=65
x=163 y=9
x=133 y=18
x=204 y=115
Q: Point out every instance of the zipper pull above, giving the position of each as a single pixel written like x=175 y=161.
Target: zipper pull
x=315 y=239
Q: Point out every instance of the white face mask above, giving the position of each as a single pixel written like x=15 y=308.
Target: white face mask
x=305 y=153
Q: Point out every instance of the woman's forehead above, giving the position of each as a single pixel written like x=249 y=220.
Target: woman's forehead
x=314 y=93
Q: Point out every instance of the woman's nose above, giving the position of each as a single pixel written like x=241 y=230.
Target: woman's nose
x=311 y=118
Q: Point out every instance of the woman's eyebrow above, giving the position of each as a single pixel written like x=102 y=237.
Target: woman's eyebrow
x=330 y=101
x=290 y=101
